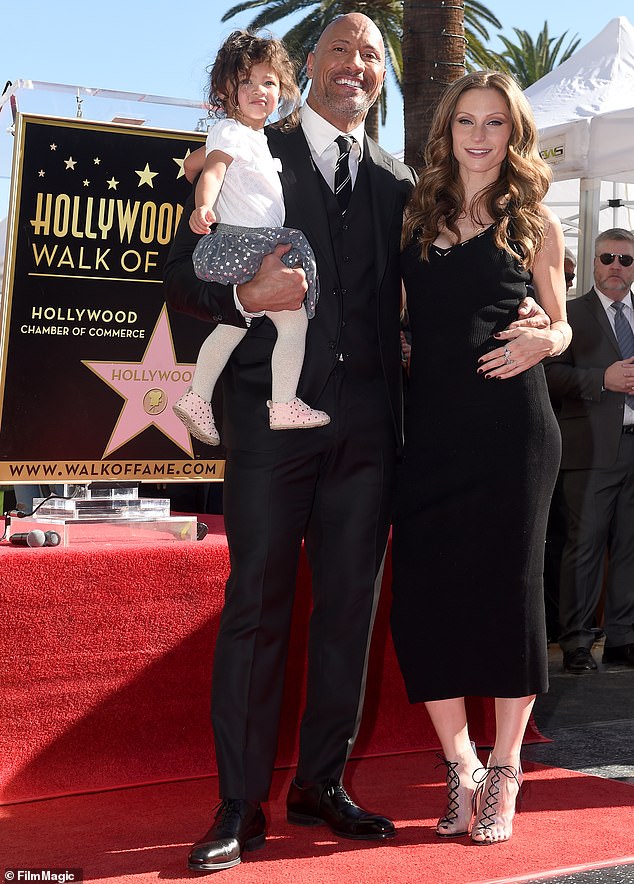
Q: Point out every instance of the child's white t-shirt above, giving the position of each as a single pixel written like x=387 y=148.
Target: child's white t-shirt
x=251 y=193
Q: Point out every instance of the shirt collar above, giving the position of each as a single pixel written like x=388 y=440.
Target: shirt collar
x=607 y=302
x=321 y=134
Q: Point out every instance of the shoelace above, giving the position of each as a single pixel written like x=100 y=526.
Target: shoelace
x=453 y=784
x=225 y=809
x=338 y=790
x=494 y=774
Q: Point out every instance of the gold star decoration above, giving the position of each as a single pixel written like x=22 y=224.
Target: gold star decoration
x=41 y=173
x=97 y=161
x=86 y=182
x=145 y=176
x=112 y=184
x=180 y=162
x=70 y=163
x=53 y=146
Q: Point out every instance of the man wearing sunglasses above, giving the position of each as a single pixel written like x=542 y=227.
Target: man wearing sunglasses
x=592 y=383
x=570 y=266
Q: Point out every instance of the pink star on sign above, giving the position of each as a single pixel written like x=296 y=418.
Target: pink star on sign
x=150 y=388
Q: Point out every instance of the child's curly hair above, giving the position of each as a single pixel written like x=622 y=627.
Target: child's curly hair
x=237 y=55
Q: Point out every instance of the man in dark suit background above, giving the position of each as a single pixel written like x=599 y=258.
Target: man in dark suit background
x=592 y=383
x=330 y=486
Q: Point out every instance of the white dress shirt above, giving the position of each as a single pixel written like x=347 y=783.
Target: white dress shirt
x=320 y=135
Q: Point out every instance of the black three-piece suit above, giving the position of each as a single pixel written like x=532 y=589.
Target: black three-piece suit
x=330 y=486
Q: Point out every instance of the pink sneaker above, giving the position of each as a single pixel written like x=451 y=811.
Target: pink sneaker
x=295 y=415
x=197 y=416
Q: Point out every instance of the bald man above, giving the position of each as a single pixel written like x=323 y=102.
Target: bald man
x=331 y=487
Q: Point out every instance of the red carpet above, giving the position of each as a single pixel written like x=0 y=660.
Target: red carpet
x=143 y=834
x=105 y=669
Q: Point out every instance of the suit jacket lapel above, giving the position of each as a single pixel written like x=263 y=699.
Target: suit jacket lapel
x=383 y=195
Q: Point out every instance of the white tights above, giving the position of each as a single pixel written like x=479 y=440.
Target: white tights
x=286 y=361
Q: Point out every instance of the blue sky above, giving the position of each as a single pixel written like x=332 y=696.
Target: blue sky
x=161 y=49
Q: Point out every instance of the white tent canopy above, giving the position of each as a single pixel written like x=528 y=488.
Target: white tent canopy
x=584 y=110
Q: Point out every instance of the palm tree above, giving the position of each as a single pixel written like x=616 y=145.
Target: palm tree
x=388 y=16
x=528 y=61
x=476 y=18
x=434 y=55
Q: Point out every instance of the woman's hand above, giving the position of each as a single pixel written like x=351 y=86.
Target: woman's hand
x=520 y=348
x=525 y=342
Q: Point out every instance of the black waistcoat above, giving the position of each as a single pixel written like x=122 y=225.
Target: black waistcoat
x=353 y=244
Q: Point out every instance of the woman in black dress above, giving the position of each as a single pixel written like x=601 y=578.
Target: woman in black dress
x=482 y=445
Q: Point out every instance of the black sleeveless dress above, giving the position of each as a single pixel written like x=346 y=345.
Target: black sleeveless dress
x=480 y=462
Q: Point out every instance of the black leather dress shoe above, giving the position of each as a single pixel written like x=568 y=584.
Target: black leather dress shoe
x=239 y=825
x=579 y=661
x=316 y=803
x=621 y=655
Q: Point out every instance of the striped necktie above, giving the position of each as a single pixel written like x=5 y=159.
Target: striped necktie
x=343 y=181
x=624 y=337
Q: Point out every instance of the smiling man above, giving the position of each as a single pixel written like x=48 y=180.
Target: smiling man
x=330 y=488
x=347 y=70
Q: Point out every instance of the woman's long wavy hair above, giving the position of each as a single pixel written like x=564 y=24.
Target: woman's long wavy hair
x=237 y=55
x=512 y=201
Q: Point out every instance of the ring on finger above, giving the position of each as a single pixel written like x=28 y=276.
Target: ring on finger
x=508 y=361
x=507 y=353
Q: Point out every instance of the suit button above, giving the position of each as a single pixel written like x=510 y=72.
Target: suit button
x=217 y=317
x=344 y=291
x=345 y=227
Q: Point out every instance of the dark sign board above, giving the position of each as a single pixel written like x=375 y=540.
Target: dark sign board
x=92 y=360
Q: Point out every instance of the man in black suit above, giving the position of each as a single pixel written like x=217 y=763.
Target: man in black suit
x=330 y=486
x=592 y=383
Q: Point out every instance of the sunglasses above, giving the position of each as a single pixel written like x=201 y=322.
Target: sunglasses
x=607 y=259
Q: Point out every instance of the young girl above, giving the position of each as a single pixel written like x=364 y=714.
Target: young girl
x=240 y=189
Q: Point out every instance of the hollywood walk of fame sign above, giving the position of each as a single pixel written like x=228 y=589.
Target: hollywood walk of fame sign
x=92 y=359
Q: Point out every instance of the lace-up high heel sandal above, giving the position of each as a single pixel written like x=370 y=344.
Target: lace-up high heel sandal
x=498 y=788
x=459 y=811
